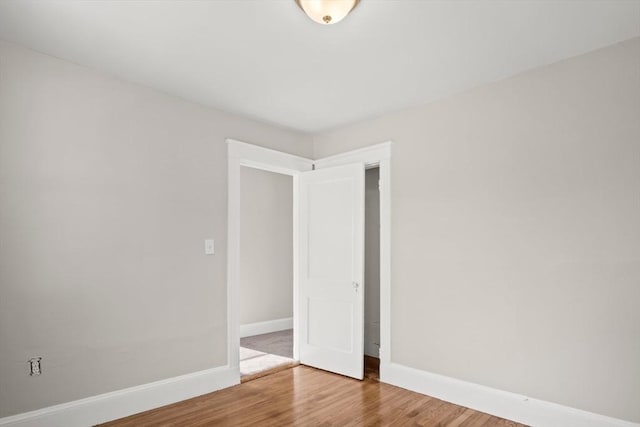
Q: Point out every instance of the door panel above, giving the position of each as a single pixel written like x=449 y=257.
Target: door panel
x=325 y=316
x=331 y=269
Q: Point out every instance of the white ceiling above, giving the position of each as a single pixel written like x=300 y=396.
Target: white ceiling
x=265 y=59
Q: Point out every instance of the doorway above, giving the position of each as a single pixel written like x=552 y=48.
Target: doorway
x=372 y=274
x=266 y=272
x=243 y=154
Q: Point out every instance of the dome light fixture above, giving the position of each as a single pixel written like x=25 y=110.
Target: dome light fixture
x=327 y=12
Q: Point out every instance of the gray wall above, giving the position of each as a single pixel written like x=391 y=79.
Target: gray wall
x=107 y=191
x=516 y=232
x=266 y=246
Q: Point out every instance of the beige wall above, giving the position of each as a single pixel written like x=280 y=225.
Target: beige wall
x=266 y=246
x=107 y=191
x=516 y=232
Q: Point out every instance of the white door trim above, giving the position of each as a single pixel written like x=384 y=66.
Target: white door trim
x=242 y=154
x=377 y=155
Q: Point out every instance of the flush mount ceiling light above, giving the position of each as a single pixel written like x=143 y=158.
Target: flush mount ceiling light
x=327 y=12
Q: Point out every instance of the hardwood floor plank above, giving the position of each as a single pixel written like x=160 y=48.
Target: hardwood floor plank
x=304 y=396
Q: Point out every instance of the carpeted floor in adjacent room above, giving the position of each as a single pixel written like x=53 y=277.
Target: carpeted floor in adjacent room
x=266 y=352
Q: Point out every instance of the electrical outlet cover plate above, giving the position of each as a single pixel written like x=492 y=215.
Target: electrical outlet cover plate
x=34 y=366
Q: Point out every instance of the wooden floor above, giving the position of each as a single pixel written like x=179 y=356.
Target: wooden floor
x=304 y=396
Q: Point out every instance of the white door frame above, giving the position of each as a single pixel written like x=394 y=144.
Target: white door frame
x=242 y=154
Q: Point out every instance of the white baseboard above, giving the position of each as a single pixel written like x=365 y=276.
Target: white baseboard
x=500 y=403
x=266 y=327
x=110 y=406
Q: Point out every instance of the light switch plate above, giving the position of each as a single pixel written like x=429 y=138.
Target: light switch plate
x=209 y=248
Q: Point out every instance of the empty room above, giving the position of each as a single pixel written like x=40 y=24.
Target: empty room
x=320 y=213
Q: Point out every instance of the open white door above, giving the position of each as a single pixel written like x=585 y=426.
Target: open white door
x=331 y=269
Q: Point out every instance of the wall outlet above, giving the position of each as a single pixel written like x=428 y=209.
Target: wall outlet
x=34 y=366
